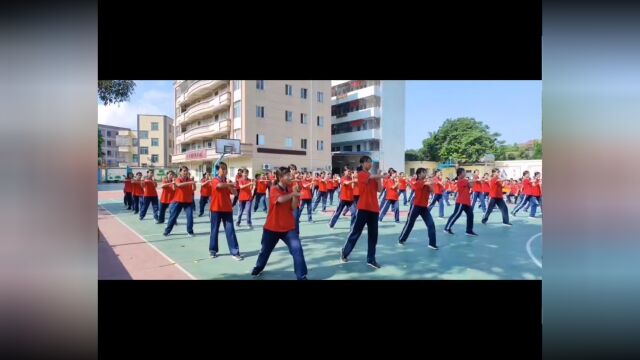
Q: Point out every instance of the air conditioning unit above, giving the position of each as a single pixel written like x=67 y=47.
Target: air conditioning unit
x=266 y=167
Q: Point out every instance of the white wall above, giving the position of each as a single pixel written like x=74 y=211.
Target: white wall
x=392 y=124
x=515 y=168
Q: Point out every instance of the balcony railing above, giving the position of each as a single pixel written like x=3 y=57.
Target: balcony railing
x=205 y=107
x=211 y=129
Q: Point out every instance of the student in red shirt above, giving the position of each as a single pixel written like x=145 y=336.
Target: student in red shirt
x=383 y=194
x=346 y=200
x=205 y=191
x=281 y=225
x=392 y=197
x=183 y=188
x=526 y=189
x=305 y=197
x=478 y=193
x=222 y=211
x=261 y=193
x=150 y=196
x=420 y=208
x=335 y=185
x=438 y=189
x=402 y=189
x=322 y=193
x=244 y=185
x=536 y=194
x=330 y=189
x=138 y=192
x=486 y=190
x=356 y=194
x=128 y=189
x=411 y=183
x=454 y=189
x=385 y=177
x=463 y=203
x=367 y=214
x=447 y=189
x=316 y=185
x=238 y=177
x=496 y=198
x=167 y=195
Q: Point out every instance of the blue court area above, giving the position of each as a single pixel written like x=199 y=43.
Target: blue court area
x=499 y=252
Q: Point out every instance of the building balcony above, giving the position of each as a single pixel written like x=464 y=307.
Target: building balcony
x=199 y=88
x=209 y=130
x=356 y=94
x=205 y=108
x=356 y=115
x=124 y=149
x=361 y=135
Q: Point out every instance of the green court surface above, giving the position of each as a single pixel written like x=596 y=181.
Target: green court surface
x=499 y=252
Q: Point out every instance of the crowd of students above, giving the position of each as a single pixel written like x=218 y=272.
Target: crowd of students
x=285 y=192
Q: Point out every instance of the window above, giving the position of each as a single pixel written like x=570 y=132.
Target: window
x=144 y=151
x=347 y=148
x=288 y=142
x=236 y=84
x=320 y=96
x=154 y=126
x=303 y=93
x=288 y=90
x=143 y=134
x=320 y=121
x=108 y=142
x=319 y=145
x=209 y=143
x=216 y=117
x=260 y=84
x=335 y=148
x=358 y=147
x=260 y=111
x=154 y=158
x=135 y=142
x=303 y=118
x=108 y=133
x=259 y=139
x=303 y=143
x=155 y=142
x=108 y=152
x=288 y=116
x=236 y=109
x=134 y=158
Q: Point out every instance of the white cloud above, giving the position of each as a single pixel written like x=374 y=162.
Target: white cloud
x=152 y=102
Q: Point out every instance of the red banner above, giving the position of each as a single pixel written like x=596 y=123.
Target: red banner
x=196 y=154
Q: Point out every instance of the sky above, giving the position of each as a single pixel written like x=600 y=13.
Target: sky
x=150 y=97
x=512 y=108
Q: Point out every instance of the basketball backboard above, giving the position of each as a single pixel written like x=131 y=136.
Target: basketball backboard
x=228 y=146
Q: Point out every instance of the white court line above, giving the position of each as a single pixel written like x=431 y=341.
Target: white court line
x=152 y=246
x=529 y=250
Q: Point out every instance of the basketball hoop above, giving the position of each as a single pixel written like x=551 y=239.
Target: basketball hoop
x=225 y=147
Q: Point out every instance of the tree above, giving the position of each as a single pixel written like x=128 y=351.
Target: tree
x=100 y=142
x=537 y=149
x=115 y=91
x=430 y=148
x=463 y=140
x=413 y=155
